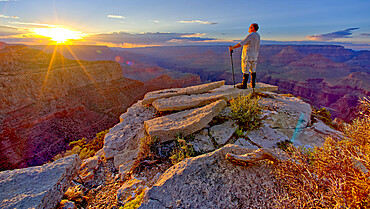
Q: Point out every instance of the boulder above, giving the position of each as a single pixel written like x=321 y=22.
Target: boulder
x=166 y=93
x=223 y=132
x=183 y=102
x=186 y=122
x=40 y=186
x=211 y=181
x=88 y=169
x=126 y=134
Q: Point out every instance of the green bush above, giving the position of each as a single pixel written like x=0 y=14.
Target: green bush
x=247 y=112
x=182 y=150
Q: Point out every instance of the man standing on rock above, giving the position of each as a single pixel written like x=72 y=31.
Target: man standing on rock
x=251 y=47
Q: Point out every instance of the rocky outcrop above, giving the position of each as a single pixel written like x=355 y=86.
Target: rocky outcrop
x=38 y=187
x=186 y=122
x=210 y=181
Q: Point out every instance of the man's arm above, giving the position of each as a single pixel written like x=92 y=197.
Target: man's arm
x=234 y=47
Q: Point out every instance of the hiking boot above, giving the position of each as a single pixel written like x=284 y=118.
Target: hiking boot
x=253 y=80
x=244 y=84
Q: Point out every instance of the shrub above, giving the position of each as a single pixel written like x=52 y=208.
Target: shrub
x=333 y=176
x=182 y=150
x=284 y=145
x=239 y=133
x=85 y=148
x=247 y=112
x=324 y=115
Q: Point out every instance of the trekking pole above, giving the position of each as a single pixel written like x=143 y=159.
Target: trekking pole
x=232 y=65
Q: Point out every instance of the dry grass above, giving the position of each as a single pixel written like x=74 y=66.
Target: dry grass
x=333 y=176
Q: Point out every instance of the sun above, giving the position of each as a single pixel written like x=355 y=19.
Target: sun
x=59 y=34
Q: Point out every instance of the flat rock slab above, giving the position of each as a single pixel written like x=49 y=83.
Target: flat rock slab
x=211 y=181
x=166 y=93
x=266 y=137
x=288 y=115
x=260 y=87
x=223 y=132
x=186 y=122
x=245 y=143
x=202 y=142
x=226 y=92
x=38 y=187
x=316 y=134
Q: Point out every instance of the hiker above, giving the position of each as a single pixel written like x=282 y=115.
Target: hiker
x=251 y=47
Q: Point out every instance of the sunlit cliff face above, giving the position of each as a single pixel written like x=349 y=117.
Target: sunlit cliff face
x=59 y=34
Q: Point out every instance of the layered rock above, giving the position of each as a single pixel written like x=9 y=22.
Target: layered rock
x=226 y=93
x=38 y=187
x=152 y=96
x=186 y=122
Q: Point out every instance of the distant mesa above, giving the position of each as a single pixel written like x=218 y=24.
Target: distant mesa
x=286 y=56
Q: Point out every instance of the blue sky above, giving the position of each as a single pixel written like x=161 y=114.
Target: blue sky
x=130 y=23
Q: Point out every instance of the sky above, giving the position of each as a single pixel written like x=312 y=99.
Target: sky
x=138 y=23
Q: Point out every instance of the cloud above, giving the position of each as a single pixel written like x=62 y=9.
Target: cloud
x=365 y=34
x=8 y=31
x=124 y=38
x=198 y=21
x=116 y=16
x=7 y=17
x=334 y=35
x=33 y=24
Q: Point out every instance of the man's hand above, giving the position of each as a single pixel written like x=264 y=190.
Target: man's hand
x=231 y=49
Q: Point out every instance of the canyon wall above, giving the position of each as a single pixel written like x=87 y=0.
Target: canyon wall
x=46 y=101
